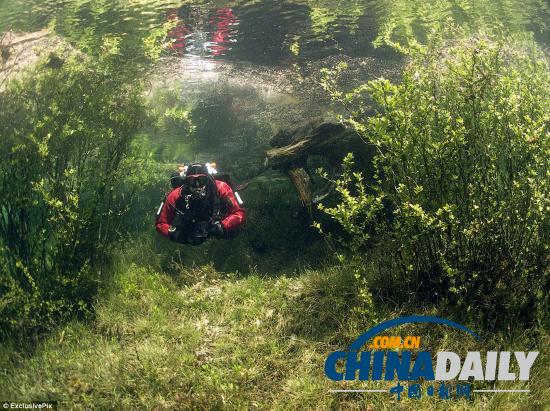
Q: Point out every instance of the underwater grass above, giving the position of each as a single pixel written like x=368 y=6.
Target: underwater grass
x=216 y=341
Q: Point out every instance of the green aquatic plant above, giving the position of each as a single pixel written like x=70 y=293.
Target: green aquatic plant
x=66 y=131
x=170 y=128
x=463 y=171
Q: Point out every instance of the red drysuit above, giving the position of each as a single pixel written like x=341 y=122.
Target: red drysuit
x=233 y=214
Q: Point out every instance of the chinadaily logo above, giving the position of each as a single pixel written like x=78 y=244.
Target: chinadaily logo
x=415 y=372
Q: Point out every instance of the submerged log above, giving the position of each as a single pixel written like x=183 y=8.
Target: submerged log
x=291 y=149
x=293 y=146
x=11 y=39
x=19 y=51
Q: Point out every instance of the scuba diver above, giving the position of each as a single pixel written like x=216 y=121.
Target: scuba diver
x=205 y=204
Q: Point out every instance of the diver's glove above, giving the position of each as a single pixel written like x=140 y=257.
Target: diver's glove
x=215 y=229
x=175 y=233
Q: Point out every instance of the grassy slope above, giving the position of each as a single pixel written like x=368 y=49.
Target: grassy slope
x=220 y=342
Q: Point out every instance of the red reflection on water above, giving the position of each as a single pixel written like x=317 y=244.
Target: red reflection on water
x=190 y=34
x=223 y=21
x=178 y=33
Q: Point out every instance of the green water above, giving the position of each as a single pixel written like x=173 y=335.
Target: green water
x=272 y=32
x=235 y=59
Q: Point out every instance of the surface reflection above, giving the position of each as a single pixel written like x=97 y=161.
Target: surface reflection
x=200 y=32
x=271 y=33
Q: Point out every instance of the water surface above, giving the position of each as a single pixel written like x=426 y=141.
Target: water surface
x=272 y=32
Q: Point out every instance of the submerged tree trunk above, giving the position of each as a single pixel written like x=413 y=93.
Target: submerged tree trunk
x=291 y=149
x=291 y=146
x=301 y=181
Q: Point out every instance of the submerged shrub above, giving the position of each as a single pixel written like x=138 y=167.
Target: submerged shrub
x=463 y=165
x=65 y=132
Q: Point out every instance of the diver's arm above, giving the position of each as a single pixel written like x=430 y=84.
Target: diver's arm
x=167 y=214
x=236 y=215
